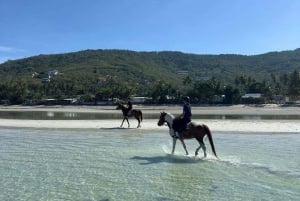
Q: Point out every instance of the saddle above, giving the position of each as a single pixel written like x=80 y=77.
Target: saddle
x=190 y=125
x=181 y=127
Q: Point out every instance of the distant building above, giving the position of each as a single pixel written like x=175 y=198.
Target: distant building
x=182 y=72
x=46 y=78
x=49 y=101
x=139 y=99
x=252 y=95
x=218 y=98
x=253 y=98
x=53 y=73
x=69 y=101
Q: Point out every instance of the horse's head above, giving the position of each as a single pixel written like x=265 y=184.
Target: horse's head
x=119 y=106
x=162 y=119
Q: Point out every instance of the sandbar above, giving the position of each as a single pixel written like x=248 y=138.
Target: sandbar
x=216 y=125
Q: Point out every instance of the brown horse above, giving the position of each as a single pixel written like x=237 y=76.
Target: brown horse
x=194 y=131
x=133 y=113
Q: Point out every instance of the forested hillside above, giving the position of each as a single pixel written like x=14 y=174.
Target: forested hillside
x=107 y=73
x=156 y=65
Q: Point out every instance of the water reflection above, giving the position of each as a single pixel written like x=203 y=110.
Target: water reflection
x=72 y=115
x=50 y=114
x=43 y=115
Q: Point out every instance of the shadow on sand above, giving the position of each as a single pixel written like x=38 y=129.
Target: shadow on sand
x=117 y=128
x=168 y=158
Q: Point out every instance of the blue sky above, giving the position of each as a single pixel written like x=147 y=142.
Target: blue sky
x=248 y=27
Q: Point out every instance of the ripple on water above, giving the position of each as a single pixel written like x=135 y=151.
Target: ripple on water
x=129 y=164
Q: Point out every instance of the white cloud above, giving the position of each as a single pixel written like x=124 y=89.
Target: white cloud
x=6 y=49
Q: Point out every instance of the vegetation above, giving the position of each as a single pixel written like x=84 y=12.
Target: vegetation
x=96 y=75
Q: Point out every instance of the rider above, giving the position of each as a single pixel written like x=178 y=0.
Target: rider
x=129 y=108
x=180 y=123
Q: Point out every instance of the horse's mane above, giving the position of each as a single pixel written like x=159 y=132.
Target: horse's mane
x=170 y=116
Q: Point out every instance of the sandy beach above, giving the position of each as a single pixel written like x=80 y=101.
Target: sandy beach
x=232 y=126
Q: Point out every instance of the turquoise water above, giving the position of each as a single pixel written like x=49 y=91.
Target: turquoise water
x=135 y=164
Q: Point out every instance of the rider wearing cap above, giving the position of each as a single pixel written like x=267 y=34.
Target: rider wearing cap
x=181 y=122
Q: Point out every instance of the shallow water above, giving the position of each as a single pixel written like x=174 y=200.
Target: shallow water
x=135 y=164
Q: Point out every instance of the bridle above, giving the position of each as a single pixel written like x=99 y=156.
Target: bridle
x=163 y=120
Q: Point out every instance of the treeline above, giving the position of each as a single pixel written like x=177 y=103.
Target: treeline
x=215 y=91
x=209 y=91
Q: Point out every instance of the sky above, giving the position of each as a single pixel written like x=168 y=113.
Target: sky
x=247 y=27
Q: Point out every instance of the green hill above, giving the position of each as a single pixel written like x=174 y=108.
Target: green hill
x=141 y=70
x=152 y=66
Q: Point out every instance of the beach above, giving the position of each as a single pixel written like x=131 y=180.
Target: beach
x=95 y=159
x=250 y=124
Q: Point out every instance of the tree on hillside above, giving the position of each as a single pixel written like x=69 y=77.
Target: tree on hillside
x=294 y=85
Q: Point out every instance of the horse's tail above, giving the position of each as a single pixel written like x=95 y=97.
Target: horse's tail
x=210 y=140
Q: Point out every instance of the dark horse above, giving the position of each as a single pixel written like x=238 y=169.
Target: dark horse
x=194 y=131
x=134 y=113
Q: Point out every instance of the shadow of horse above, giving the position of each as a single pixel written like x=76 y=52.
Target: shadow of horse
x=115 y=128
x=166 y=159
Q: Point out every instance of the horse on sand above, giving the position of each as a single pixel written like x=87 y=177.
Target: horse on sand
x=194 y=131
x=137 y=114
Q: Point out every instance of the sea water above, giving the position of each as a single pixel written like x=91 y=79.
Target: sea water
x=136 y=164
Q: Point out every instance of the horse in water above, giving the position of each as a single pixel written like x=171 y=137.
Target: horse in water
x=194 y=131
x=137 y=114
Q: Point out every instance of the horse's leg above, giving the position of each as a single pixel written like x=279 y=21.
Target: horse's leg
x=174 y=144
x=196 y=152
x=138 y=119
x=204 y=148
x=183 y=144
x=128 y=122
x=122 y=122
x=139 y=125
